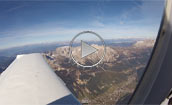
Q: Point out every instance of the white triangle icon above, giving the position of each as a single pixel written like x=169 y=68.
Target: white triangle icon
x=86 y=49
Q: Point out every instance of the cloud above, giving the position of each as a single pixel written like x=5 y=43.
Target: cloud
x=97 y=23
x=143 y=12
x=121 y=22
x=15 y=8
x=142 y=27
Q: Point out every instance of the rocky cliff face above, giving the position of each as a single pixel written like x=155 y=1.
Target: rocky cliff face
x=108 y=82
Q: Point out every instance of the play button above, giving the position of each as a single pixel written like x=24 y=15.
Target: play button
x=86 y=49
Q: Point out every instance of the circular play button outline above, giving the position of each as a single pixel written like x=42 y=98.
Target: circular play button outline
x=84 y=32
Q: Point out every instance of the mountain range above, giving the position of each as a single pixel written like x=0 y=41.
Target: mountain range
x=109 y=82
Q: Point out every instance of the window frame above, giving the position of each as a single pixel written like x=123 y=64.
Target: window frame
x=155 y=83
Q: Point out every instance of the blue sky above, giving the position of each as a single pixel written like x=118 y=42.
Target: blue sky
x=30 y=22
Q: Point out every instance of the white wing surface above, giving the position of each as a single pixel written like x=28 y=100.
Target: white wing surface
x=30 y=81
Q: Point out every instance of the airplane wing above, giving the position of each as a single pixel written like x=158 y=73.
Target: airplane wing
x=30 y=81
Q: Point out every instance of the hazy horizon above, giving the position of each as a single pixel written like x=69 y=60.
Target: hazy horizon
x=68 y=42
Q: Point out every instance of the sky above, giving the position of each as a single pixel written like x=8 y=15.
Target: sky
x=30 y=22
